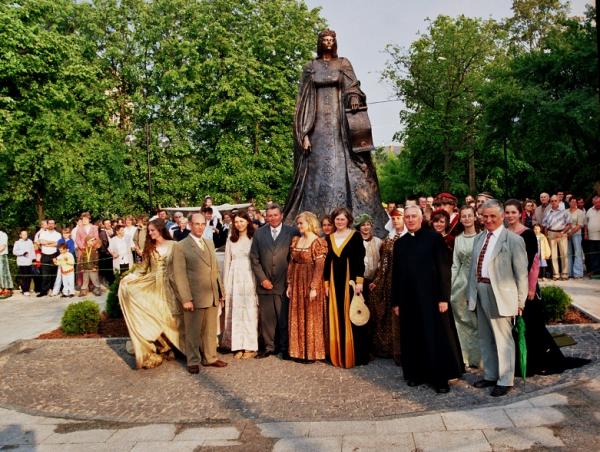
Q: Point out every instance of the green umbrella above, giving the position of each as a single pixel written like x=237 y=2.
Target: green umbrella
x=521 y=345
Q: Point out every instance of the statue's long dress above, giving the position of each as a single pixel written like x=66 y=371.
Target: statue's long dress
x=151 y=309
x=348 y=344
x=306 y=316
x=331 y=175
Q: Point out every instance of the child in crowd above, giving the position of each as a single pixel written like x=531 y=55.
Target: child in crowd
x=89 y=266
x=544 y=251
x=120 y=248
x=66 y=238
x=66 y=272
x=6 y=284
x=24 y=250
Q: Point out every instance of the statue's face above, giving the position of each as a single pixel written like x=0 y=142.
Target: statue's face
x=328 y=42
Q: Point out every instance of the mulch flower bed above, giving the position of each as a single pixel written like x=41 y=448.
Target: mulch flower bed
x=573 y=316
x=107 y=328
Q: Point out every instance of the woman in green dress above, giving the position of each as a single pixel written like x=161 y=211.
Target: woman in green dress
x=466 y=321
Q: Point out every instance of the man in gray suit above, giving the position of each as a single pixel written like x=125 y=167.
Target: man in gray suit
x=497 y=290
x=269 y=256
x=198 y=284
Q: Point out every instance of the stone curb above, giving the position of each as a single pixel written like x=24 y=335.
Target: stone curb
x=588 y=313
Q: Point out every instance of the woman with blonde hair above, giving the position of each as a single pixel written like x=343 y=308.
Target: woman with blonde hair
x=305 y=291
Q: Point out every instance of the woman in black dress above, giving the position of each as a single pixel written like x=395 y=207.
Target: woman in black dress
x=345 y=262
x=543 y=355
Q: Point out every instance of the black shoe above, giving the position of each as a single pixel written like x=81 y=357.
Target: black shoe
x=286 y=357
x=193 y=369
x=499 y=390
x=442 y=388
x=480 y=384
x=41 y=294
x=261 y=355
x=412 y=383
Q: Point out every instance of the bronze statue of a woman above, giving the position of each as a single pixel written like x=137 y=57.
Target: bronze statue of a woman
x=330 y=171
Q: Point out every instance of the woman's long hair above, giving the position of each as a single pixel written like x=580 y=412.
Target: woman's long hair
x=235 y=234
x=150 y=245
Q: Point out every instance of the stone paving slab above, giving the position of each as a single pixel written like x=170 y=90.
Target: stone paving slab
x=166 y=446
x=54 y=377
x=426 y=423
x=205 y=434
x=80 y=437
x=522 y=439
x=17 y=434
x=308 y=445
x=466 y=441
x=376 y=443
x=533 y=417
x=477 y=419
x=161 y=432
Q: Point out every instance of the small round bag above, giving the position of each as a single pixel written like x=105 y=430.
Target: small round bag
x=359 y=312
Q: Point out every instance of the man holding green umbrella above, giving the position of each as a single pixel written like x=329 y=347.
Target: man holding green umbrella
x=497 y=289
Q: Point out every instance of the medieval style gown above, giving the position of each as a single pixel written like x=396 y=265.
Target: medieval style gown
x=151 y=310
x=430 y=350
x=330 y=174
x=306 y=317
x=385 y=341
x=241 y=301
x=348 y=344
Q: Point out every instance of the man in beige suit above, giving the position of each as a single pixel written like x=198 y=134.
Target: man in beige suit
x=199 y=288
x=497 y=290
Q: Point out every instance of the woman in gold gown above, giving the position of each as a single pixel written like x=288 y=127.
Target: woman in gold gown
x=148 y=301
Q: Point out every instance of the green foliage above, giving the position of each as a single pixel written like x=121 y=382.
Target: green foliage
x=218 y=78
x=555 y=302
x=511 y=108
x=113 y=307
x=81 y=318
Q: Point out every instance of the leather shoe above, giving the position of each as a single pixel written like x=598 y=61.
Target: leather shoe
x=480 y=384
x=286 y=357
x=193 y=369
x=499 y=390
x=261 y=355
x=442 y=388
x=217 y=363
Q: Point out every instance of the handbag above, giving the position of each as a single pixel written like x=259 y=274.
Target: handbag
x=359 y=312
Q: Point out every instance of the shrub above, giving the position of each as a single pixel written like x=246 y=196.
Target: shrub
x=80 y=318
x=113 y=308
x=555 y=302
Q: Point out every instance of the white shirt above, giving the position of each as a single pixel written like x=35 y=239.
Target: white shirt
x=198 y=241
x=49 y=236
x=20 y=247
x=488 y=252
x=393 y=233
x=592 y=221
x=120 y=245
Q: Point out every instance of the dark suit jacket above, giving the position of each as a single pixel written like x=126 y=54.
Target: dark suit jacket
x=270 y=258
x=196 y=273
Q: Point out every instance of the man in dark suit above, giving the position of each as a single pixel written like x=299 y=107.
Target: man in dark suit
x=497 y=291
x=269 y=256
x=196 y=275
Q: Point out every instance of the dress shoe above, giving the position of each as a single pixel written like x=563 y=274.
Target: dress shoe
x=286 y=356
x=261 y=355
x=217 y=363
x=41 y=294
x=499 y=390
x=193 y=369
x=442 y=388
x=484 y=384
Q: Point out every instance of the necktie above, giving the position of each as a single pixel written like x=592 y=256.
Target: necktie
x=274 y=233
x=482 y=254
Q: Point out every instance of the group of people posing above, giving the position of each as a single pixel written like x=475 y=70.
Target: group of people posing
x=437 y=305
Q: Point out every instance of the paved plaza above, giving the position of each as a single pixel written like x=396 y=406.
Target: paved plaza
x=82 y=394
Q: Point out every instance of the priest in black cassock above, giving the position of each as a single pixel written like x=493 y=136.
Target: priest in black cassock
x=429 y=346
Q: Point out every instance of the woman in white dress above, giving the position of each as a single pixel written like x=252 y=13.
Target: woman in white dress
x=148 y=301
x=241 y=302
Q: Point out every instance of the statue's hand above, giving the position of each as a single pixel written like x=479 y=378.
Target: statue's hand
x=306 y=144
x=354 y=103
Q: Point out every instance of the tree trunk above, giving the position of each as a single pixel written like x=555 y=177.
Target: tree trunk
x=472 y=186
x=39 y=206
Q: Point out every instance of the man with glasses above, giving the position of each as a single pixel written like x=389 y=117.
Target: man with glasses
x=557 y=223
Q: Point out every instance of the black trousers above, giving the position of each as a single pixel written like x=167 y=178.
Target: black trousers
x=273 y=311
x=25 y=276
x=48 y=272
x=106 y=267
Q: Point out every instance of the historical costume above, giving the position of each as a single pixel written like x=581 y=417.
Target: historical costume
x=345 y=262
x=306 y=316
x=241 y=301
x=150 y=308
x=385 y=341
x=330 y=173
x=466 y=321
x=430 y=350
